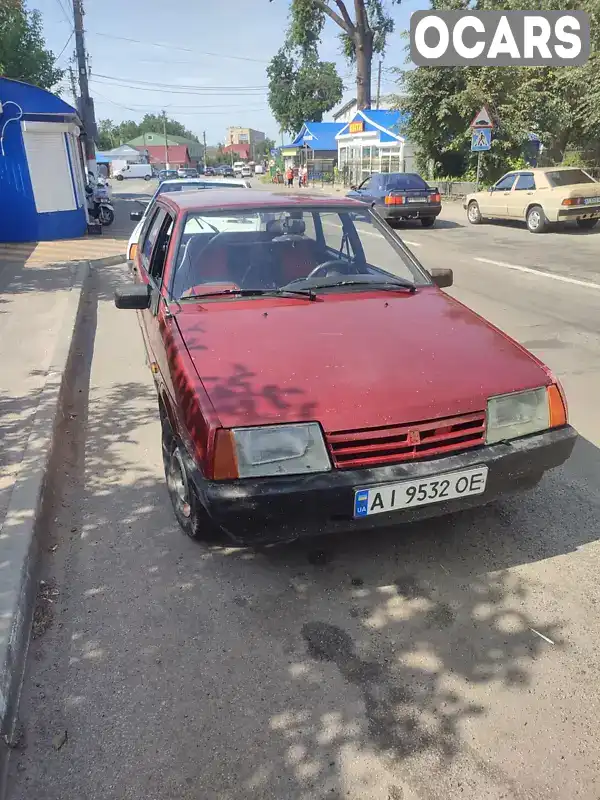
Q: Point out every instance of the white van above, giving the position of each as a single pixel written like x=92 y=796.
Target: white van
x=238 y=167
x=134 y=171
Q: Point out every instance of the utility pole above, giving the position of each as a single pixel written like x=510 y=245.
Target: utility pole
x=378 y=84
x=86 y=106
x=204 y=151
x=164 y=116
x=73 y=85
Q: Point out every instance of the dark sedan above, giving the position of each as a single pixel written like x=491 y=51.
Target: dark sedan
x=226 y=171
x=399 y=196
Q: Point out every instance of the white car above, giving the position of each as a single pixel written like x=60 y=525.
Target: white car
x=179 y=185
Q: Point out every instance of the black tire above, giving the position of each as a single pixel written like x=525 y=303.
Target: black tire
x=119 y=177
x=106 y=216
x=147 y=177
x=474 y=213
x=428 y=222
x=536 y=220
x=587 y=224
x=189 y=511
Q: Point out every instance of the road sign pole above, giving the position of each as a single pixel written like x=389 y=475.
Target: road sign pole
x=478 y=171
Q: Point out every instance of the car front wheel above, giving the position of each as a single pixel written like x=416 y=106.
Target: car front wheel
x=587 y=224
x=189 y=512
x=473 y=213
x=536 y=220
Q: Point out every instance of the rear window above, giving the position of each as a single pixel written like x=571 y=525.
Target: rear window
x=405 y=181
x=568 y=177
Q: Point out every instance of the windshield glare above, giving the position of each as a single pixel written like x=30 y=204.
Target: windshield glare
x=568 y=177
x=271 y=250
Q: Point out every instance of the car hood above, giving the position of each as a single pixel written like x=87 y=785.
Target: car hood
x=351 y=361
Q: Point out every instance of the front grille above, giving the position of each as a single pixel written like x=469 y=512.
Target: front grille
x=372 y=447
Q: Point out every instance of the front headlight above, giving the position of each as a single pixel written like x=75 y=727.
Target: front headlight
x=280 y=450
x=518 y=414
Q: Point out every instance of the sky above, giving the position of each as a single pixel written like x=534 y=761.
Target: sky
x=202 y=61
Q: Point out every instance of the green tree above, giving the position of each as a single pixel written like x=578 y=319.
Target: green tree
x=153 y=123
x=301 y=88
x=361 y=35
x=23 y=54
x=561 y=105
x=263 y=149
x=111 y=135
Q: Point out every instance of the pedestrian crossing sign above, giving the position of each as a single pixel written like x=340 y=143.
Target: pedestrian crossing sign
x=481 y=139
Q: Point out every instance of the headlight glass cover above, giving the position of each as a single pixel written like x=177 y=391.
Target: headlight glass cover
x=280 y=450
x=518 y=414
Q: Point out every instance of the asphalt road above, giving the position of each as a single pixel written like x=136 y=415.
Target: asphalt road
x=454 y=658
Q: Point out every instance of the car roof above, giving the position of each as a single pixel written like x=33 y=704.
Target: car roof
x=543 y=169
x=251 y=198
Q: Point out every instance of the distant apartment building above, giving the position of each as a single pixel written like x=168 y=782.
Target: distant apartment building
x=244 y=136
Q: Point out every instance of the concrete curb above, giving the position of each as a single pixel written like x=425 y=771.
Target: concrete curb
x=108 y=261
x=24 y=522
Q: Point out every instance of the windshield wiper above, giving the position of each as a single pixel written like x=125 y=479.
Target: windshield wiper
x=308 y=294
x=378 y=285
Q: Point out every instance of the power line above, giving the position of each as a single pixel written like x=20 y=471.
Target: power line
x=177 y=85
x=65 y=47
x=64 y=12
x=208 y=92
x=182 y=111
x=178 y=47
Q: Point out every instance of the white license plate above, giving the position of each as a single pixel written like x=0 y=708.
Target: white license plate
x=591 y=201
x=416 y=199
x=408 y=494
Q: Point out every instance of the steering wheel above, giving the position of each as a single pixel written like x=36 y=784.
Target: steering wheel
x=322 y=270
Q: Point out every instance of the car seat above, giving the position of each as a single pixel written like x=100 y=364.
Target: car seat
x=295 y=253
x=201 y=263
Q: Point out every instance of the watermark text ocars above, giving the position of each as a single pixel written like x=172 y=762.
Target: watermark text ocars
x=499 y=38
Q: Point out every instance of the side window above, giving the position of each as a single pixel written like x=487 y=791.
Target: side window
x=310 y=230
x=505 y=183
x=376 y=184
x=149 y=234
x=525 y=182
x=161 y=247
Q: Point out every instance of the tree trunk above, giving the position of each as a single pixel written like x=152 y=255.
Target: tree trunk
x=364 y=58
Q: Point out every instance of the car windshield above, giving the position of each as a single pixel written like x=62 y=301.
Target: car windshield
x=405 y=181
x=568 y=177
x=323 y=249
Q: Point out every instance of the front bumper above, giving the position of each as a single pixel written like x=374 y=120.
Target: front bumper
x=409 y=211
x=283 y=508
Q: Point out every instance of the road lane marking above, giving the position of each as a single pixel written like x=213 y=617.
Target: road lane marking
x=371 y=233
x=540 y=273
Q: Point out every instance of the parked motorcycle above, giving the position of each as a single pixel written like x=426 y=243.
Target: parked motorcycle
x=99 y=205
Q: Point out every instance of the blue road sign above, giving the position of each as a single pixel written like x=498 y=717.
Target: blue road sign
x=274 y=151
x=481 y=139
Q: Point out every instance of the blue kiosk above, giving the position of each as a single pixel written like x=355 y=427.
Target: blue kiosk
x=42 y=185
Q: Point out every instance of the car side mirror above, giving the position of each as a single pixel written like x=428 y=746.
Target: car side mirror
x=133 y=296
x=353 y=188
x=135 y=216
x=442 y=277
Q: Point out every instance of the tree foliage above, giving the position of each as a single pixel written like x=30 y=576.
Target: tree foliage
x=561 y=105
x=23 y=53
x=112 y=135
x=301 y=88
x=362 y=34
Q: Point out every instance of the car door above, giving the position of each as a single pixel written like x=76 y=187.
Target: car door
x=362 y=191
x=142 y=266
x=521 y=195
x=159 y=320
x=496 y=202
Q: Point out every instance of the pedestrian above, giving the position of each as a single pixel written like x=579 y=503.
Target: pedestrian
x=305 y=176
x=290 y=176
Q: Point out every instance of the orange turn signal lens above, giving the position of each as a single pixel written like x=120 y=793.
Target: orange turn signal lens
x=558 y=412
x=132 y=252
x=225 y=465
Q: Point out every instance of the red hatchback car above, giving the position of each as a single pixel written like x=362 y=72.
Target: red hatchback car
x=312 y=376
